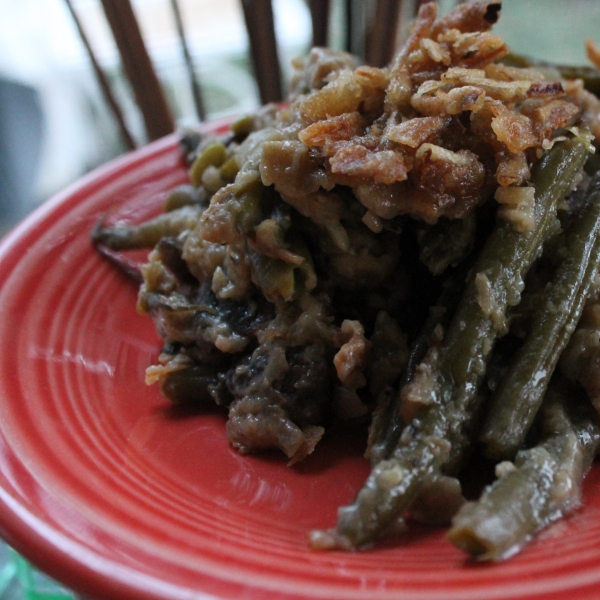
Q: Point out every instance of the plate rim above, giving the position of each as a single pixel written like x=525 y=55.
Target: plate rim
x=67 y=559
x=60 y=557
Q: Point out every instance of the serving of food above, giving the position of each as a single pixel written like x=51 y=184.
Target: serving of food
x=337 y=343
x=415 y=246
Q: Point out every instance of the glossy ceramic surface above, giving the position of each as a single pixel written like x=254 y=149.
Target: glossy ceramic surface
x=107 y=489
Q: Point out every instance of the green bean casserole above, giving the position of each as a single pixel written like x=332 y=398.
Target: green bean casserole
x=415 y=247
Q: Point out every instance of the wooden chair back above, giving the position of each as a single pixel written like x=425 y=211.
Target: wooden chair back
x=372 y=32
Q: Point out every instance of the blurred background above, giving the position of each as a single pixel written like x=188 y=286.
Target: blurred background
x=54 y=122
x=55 y=125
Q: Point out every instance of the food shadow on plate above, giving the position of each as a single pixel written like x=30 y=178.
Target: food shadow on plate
x=342 y=441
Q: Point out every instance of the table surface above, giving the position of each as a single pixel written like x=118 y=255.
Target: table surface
x=19 y=580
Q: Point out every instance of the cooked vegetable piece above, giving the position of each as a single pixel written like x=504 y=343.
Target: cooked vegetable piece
x=542 y=485
x=147 y=234
x=123 y=264
x=436 y=438
x=283 y=279
x=213 y=155
x=387 y=422
x=589 y=75
x=191 y=385
x=184 y=195
x=515 y=402
x=446 y=243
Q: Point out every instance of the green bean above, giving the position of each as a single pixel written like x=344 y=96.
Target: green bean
x=589 y=75
x=184 y=195
x=149 y=233
x=176 y=303
x=213 y=155
x=438 y=435
x=542 y=485
x=519 y=395
x=387 y=422
x=129 y=268
x=229 y=169
x=280 y=279
x=243 y=126
x=446 y=243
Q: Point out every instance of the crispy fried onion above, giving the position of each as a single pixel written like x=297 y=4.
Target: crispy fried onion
x=434 y=133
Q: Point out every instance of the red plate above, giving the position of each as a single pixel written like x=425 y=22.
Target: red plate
x=106 y=489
